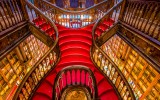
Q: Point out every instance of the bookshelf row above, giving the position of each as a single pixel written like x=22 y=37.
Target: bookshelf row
x=17 y=63
x=141 y=76
x=112 y=73
x=35 y=76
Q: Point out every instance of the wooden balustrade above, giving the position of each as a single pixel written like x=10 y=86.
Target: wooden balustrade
x=10 y=14
x=109 y=68
x=105 y=64
x=75 y=19
x=36 y=74
x=47 y=62
x=143 y=16
x=108 y=20
x=38 y=19
x=74 y=76
x=142 y=74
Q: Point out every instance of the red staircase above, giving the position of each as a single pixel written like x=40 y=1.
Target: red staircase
x=75 y=50
x=103 y=26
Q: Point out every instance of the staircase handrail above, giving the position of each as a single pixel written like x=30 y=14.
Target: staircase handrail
x=32 y=70
x=71 y=68
x=75 y=12
x=53 y=49
x=79 y=18
x=45 y=17
x=105 y=16
x=95 y=46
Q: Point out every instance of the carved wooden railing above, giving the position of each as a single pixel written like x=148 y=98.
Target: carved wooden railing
x=75 y=19
x=109 y=68
x=75 y=4
x=36 y=74
x=143 y=16
x=75 y=76
x=104 y=63
x=110 y=18
x=46 y=63
x=41 y=21
x=11 y=14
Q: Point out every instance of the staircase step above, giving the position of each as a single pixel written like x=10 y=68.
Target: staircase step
x=75 y=38
x=50 y=78
x=76 y=58
x=50 y=31
x=74 y=51
x=98 y=76
x=76 y=44
x=103 y=86
x=103 y=27
x=108 y=22
x=39 y=21
x=45 y=88
x=75 y=33
x=45 y=26
x=41 y=96
x=98 y=31
x=110 y=95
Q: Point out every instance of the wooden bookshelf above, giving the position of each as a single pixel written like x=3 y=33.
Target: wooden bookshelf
x=17 y=63
x=141 y=76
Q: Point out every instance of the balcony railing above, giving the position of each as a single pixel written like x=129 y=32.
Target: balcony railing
x=75 y=19
x=10 y=14
x=75 y=76
x=144 y=17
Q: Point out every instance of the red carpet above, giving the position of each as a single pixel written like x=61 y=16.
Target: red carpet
x=75 y=50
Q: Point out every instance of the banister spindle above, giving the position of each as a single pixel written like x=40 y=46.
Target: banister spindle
x=17 y=9
x=144 y=16
x=134 y=13
x=3 y=23
x=153 y=18
x=5 y=13
x=13 y=10
x=140 y=14
x=131 y=10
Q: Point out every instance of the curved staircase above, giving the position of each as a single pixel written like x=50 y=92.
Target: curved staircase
x=75 y=50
